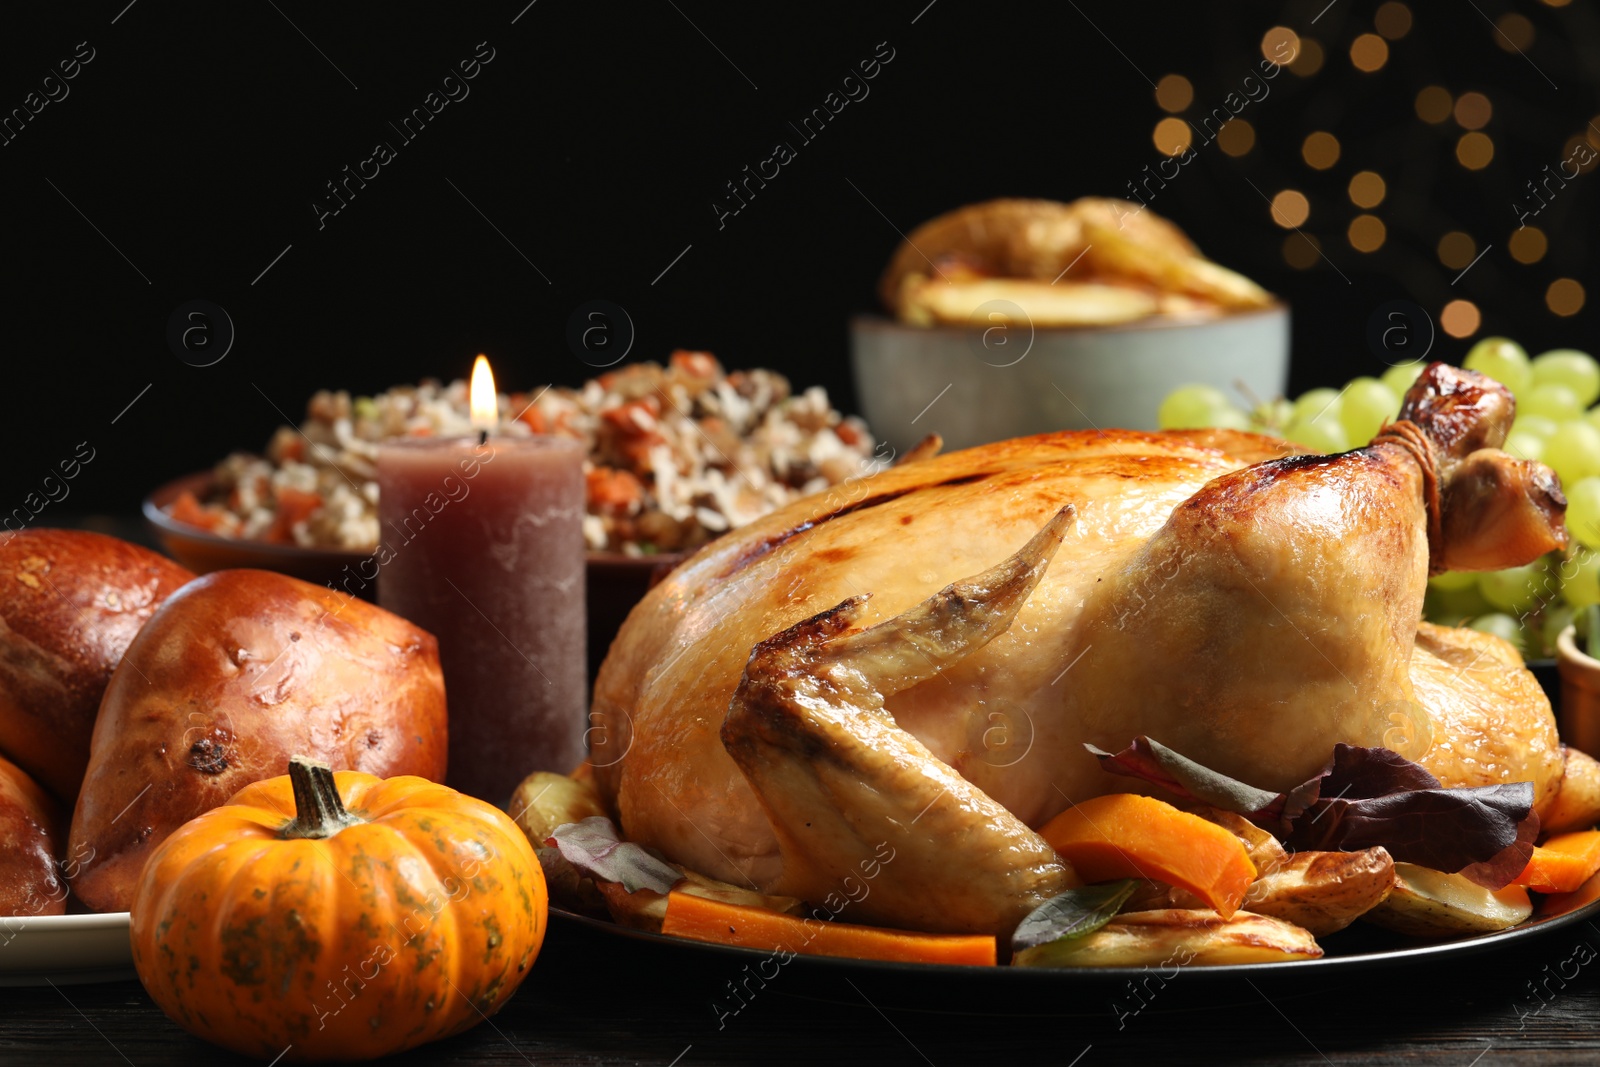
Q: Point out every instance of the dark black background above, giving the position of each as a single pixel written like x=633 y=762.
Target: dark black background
x=595 y=142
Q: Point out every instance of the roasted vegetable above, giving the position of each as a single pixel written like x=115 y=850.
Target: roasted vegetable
x=1578 y=798
x=31 y=823
x=1125 y=835
x=235 y=673
x=1323 y=891
x=320 y=916
x=1563 y=863
x=1178 y=937
x=702 y=919
x=70 y=603
x=543 y=802
x=1428 y=903
x=645 y=909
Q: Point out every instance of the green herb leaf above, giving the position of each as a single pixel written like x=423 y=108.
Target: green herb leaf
x=1071 y=914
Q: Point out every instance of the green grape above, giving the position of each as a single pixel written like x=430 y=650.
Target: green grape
x=1367 y=405
x=1583 y=510
x=1537 y=425
x=1517 y=589
x=1557 y=617
x=1229 y=418
x=1555 y=402
x=1191 y=407
x=1503 y=360
x=1592 y=417
x=1324 y=435
x=1580 y=578
x=1524 y=445
x=1573 y=452
x=1451 y=581
x=1320 y=405
x=1271 y=416
x=1455 y=603
x=1571 y=368
x=1400 y=379
x=1502 y=626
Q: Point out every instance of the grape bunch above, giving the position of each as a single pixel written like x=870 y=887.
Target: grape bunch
x=1557 y=423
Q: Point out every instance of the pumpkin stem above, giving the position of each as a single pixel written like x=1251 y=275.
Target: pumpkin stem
x=318 y=810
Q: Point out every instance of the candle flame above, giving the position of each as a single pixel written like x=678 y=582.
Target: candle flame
x=483 y=401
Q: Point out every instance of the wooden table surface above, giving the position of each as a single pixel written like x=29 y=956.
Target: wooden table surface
x=596 y=999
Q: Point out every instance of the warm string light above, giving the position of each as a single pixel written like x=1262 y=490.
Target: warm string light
x=1471 y=114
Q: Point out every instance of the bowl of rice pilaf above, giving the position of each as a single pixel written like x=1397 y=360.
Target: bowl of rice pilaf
x=676 y=455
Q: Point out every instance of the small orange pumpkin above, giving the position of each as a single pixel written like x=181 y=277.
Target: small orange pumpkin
x=323 y=916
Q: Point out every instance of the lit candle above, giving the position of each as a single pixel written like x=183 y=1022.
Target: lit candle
x=481 y=543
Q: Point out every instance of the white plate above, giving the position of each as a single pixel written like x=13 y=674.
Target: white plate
x=65 y=949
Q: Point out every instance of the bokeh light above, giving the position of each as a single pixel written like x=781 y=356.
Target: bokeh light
x=1565 y=296
x=1236 y=137
x=1572 y=161
x=1301 y=251
x=1434 y=104
x=1172 y=136
x=1393 y=20
x=1460 y=318
x=1474 y=150
x=1290 y=208
x=1320 y=150
x=1174 y=93
x=1367 y=233
x=1369 y=52
x=1513 y=32
x=1310 y=59
x=1528 y=245
x=1367 y=189
x=1473 y=111
x=1456 y=249
x=1280 y=42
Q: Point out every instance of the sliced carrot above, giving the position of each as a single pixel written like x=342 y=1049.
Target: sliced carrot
x=1124 y=835
x=188 y=509
x=1563 y=863
x=701 y=919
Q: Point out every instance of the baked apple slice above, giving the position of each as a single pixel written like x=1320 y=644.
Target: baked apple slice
x=31 y=821
x=234 y=674
x=70 y=602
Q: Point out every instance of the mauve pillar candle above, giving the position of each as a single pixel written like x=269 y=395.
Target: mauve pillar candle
x=481 y=544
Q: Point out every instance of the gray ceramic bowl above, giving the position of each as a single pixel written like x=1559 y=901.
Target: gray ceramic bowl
x=971 y=385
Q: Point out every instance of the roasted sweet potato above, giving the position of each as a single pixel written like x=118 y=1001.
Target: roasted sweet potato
x=234 y=674
x=31 y=824
x=70 y=602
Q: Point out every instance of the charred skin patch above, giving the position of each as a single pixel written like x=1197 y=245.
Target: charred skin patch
x=209 y=755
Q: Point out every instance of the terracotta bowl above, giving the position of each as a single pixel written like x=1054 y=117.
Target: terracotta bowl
x=614 y=582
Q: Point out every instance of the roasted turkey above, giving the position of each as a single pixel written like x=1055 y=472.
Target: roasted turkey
x=917 y=659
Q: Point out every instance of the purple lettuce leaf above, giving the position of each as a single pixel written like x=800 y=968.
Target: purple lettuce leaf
x=1363 y=797
x=595 y=848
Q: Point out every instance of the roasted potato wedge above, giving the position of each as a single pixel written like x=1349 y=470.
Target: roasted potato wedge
x=645 y=910
x=1578 y=800
x=932 y=300
x=1426 y=903
x=1111 y=252
x=1178 y=936
x=543 y=802
x=1323 y=891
